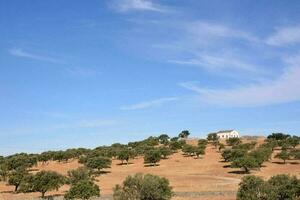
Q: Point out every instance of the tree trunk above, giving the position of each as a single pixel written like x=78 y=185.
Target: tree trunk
x=43 y=194
x=16 y=188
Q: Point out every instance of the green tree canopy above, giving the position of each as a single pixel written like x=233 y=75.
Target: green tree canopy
x=77 y=175
x=152 y=157
x=44 y=181
x=246 y=162
x=233 y=141
x=83 y=190
x=17 y=177
x=212 y=137
x=98 y=163
x=165 y=151
x=164 y=139
x=283 y=155
x=143 y=187
x=184 y=134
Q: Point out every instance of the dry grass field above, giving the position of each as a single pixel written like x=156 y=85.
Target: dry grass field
x=192 y=179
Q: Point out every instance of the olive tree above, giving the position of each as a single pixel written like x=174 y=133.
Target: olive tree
x=98 y=163
x=77 y=175
x=152 y=157
x=212 y=137
x=165 y=151
x=44 y=181
x=233 y=141
x=124 y=155
x=4 y=171
x=163 y=139
x=283 y=155
x=83 y=190
x=200 y=151
x=184 y=134
x=143 y=187
x=245 y=162
x=252 y=188
x=284 y=187
x=279 y=187
x=17 y=177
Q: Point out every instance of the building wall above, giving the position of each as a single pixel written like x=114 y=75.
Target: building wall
x=232 y=134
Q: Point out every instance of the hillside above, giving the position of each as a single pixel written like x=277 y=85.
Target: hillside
x=191 y=179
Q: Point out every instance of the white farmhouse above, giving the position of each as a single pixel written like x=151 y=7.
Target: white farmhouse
x=228 y=134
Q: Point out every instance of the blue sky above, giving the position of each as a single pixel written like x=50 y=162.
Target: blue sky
x=87 y=73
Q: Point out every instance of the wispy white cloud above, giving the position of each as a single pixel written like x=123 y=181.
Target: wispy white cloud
x=138 y=5
x=214 y=47
x=285 y=36
x=205 y=29
x=148 y=104
x=217 y=63
x=24 y=54
x=281 y=90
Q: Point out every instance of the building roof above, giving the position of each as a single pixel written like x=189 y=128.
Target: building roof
x=225 y=131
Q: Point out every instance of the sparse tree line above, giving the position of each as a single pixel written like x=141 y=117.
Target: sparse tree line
x=250 y=156
x=17 y=169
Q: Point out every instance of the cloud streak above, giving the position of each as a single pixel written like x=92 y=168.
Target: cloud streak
x=149 y=104
x=282 y=90
x=209 y=30
x=24 y=54
x=285 y=36
x=137 y=5
x=216 y=63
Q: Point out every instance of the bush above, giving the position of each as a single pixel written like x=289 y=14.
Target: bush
x=202 y=142
x=233 y=141
x=188 y=149
x=44 y=181
x=83 y=190
x=284 y=187
x=246 y=146
x=200 y=151
x=21 y=161
x=212 y=137
x=77 y=175
x=251 y=188
x=176 y=145
x=295 y=154
x=278 y=136
x=152 y=157
x=143 y=187
x=4 y=171
x=221 y=146
x=293 y=141
x=279 y=187
x=165 y=152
